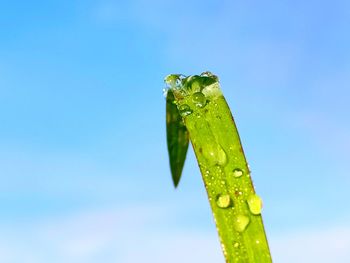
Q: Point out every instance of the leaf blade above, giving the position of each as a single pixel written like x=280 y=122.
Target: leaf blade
x=177 y=138
x=225 y=172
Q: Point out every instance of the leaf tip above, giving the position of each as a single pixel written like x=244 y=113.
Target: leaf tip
x=176 y=179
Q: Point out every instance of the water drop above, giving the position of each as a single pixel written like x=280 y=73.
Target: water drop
x=199 y=99
x=236 y=245
x=173 y=80
x=237 y=172
x=240 y=222
x=196 y=86
x=209 y=74
x=222 y=159
x=254 y=204
x=223 y=200
x=185 y=110
x=215 y=155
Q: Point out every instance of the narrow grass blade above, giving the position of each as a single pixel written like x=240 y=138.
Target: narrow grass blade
x=177 y=138
x=215 y=140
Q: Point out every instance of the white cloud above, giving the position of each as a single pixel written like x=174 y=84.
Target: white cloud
x=330 y=244
x=141 y=234
x=129 y=235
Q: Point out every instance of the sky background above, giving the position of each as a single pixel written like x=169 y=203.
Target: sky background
x=84 y=174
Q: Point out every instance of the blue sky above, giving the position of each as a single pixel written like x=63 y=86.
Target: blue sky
x=83 y=161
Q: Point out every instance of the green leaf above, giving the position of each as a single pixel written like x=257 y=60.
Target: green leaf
x=177 y=138
x=225 y=172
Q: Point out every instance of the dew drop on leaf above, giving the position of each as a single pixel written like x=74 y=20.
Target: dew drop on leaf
x=240 y=223
x=215 y=155
x=254 y=204
x=185 y=110
x=223 y=200
x=172 y=80
x=199 y=99
x=237 y=172
x=222 y=158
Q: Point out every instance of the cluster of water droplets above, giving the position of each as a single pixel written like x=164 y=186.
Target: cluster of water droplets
x=240 y=219
x=191 y=91
x=199 y=101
